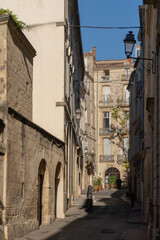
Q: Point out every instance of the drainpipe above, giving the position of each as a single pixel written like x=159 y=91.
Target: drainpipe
x=71 y=127
x=142 y=137
x=71 y=141
x=157 y=134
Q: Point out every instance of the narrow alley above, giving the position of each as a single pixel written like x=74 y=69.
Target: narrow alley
x=112 y=218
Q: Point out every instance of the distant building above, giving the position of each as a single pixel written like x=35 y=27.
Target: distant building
x=111 y=79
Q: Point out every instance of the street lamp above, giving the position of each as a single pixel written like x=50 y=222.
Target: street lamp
x=78 y=114
x=129 y=43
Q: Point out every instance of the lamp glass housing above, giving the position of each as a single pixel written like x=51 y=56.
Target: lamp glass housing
x=78 y=114
x=129 y=43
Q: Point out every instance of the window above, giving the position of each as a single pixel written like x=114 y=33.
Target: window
x=106 y=94
x=127 y=71
x=125 y=145
x=126 y=117
x=107 y=146
x=106 y=119
x=106 y=72
x=126 y=93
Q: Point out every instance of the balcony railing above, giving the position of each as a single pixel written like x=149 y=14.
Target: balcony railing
x=104 y=131
x=125 y=77
x=106 y=158
x=106 y=103
x=121 y=159
x=105 y=78
x=123 y=102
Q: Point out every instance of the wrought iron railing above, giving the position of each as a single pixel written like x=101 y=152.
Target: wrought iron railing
x=121 y=159
x=106 y=158
x=123 y=102
x=104 y=131
x=105 y=78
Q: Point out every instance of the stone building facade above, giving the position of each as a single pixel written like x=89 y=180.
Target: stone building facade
x=136 y=142
x=87 y=125
x=149 y=74
x=58 y=71
x=31 y=159
x=111 y=78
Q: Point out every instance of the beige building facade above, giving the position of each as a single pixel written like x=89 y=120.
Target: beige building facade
x=58 y=71
x=110 y=89
x=31 y=159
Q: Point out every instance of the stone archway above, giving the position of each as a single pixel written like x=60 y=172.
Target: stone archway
x=43 y=194
x=110 y=172
x=59 y=198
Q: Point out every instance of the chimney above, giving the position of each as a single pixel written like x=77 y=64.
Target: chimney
x=94 y=55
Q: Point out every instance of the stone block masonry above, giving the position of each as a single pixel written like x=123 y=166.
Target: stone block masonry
x=28 y=145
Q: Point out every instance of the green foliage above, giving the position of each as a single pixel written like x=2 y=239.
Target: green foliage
x=97 y=181
x=19 y=24
x=126 y=164
x=112 y=179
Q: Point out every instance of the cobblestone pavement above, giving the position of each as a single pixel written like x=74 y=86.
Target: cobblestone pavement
x=111 y=219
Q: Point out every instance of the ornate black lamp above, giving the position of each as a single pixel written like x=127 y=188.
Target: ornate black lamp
x=129 y=43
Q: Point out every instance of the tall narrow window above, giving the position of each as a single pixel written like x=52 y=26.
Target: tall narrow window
x=107 y=146
x=125 y=145
x=106 y=72
x=127 y=71
x=106 y=94
x=106 y=119
x=126 y=93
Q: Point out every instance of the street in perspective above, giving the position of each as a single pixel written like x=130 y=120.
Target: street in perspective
x=111 y=217
x=79 y=120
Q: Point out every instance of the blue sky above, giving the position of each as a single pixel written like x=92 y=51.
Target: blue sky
x=109 y=43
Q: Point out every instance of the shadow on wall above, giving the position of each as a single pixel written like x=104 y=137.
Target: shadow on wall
x=1 y=209
x=1 y=228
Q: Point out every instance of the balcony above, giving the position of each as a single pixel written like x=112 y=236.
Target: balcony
x=106 y=103
x=104 y=131
x=125 y=77
x=123 y=102
x=106 y=158
x=105 y=79
x=121 y=159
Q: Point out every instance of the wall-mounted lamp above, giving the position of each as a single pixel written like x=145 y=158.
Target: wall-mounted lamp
x=78 y=114
x=129 y=43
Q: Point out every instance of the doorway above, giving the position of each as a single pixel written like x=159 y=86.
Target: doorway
x=59 y=207
x=43 y=194
x=111 y=172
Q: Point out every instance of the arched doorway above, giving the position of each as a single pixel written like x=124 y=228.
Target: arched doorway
x=59 y=208
x=110 y=172
x=43 y=194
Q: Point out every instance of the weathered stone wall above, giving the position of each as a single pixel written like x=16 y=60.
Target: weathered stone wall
x=19 y=72
x=27 y=146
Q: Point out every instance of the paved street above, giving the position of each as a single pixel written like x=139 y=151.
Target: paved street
x=112 y=218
